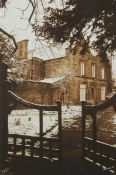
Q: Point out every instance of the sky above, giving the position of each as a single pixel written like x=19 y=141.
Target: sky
x=13 y=21
x=16 y=23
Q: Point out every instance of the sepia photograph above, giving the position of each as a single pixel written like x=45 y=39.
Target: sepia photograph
x=57 y=87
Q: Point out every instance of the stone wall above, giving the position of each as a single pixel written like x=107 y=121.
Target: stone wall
x=41 y=93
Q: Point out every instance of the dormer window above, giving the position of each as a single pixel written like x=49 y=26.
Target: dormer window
x=93 y=71
x=102 y=73
x=82 y=68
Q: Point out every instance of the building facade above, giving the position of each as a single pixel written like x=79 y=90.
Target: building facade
x=71 y=79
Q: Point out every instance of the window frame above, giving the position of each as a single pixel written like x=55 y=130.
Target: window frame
x=102 y=73
x=82 y=87
x=93 y=70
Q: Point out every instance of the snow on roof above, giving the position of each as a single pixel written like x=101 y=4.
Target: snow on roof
x=51 y=80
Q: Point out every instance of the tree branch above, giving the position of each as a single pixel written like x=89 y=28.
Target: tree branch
x=34 y=6
x=11 y=37
x=2 y=3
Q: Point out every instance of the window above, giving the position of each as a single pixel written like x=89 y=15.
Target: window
x=93 y=71
x=82 y=68
x=103 y=93
x=103 y=73
x=82 y=92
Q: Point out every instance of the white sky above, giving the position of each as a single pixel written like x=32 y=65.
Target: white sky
x=12 y=20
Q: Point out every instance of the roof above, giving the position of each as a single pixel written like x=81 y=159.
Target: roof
x=47 y=80
x=51 y=80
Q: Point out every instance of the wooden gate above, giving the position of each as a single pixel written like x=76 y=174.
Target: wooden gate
x=99 y=154
x=3 y=110
x=36 y=147
x=21 y=146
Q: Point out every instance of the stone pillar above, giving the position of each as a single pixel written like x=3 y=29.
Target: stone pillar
x=3 y=110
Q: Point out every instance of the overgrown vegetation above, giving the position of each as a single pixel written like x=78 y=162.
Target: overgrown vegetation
x=16 y=69
x=94 y=19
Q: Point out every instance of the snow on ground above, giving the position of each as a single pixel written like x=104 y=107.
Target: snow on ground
x=26 y=122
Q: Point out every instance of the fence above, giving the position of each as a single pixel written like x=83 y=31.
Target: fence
x=99 y=154
x=34 y=148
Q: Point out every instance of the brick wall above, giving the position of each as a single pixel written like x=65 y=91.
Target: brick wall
x=34 y=92
x=41 y=93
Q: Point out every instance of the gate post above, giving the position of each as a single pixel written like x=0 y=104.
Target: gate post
x=83 y=129
x=3 y=110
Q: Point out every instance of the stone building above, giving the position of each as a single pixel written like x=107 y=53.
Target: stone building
x=72 y=79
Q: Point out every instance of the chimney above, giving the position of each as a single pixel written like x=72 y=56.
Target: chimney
x=22 y=51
